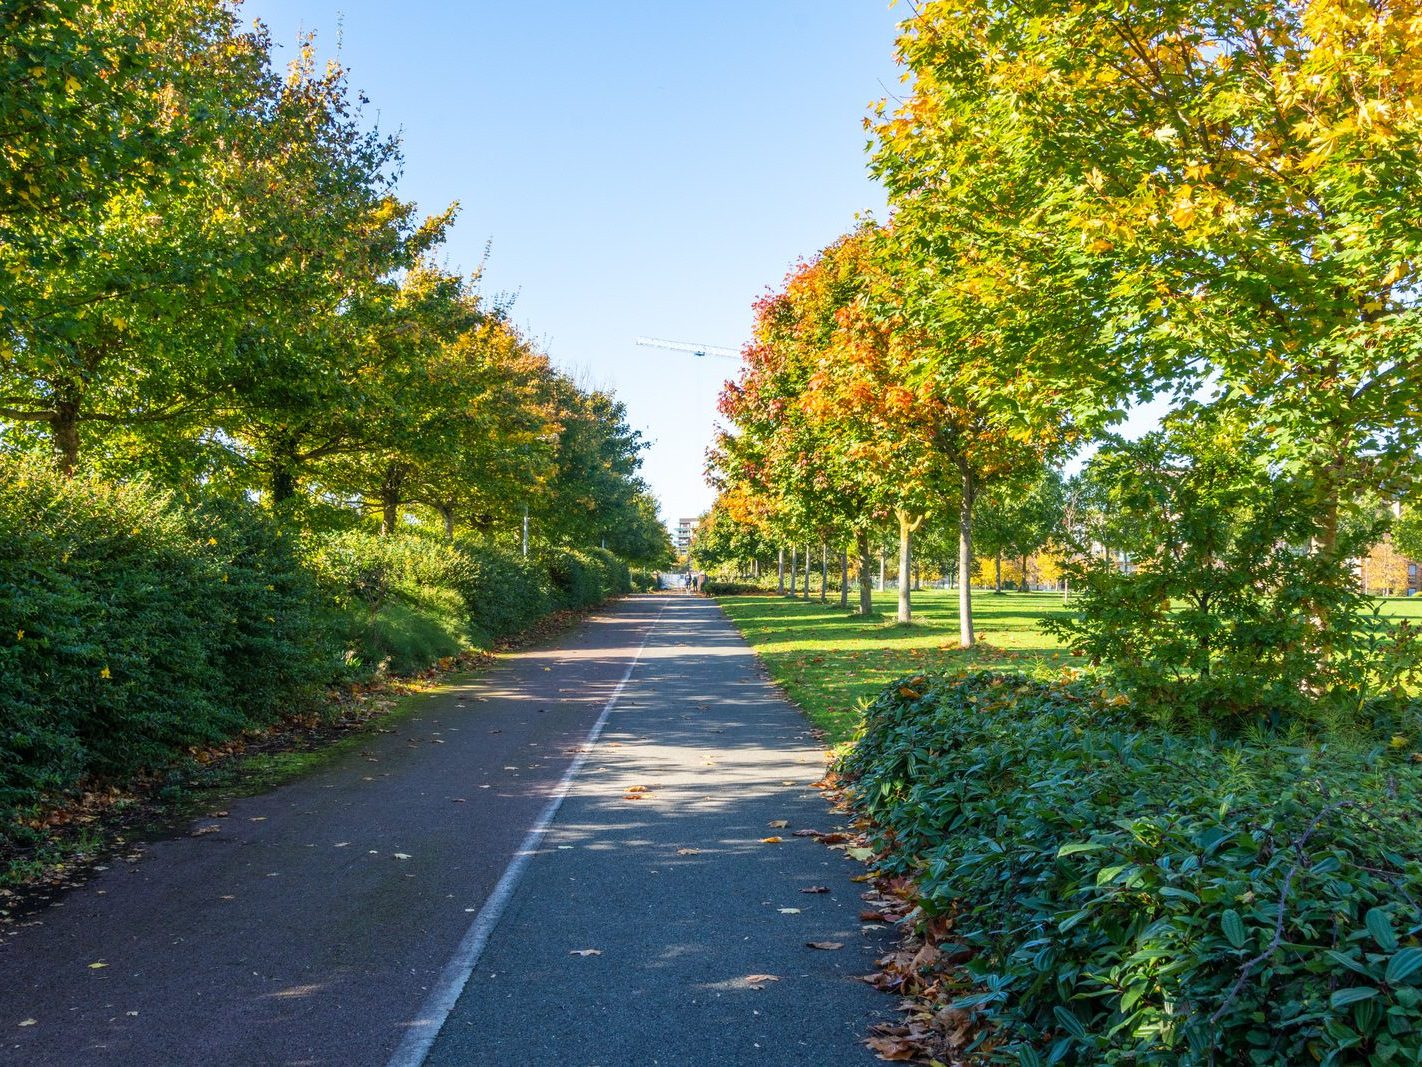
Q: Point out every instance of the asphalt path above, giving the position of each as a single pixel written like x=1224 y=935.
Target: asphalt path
x=483 y=886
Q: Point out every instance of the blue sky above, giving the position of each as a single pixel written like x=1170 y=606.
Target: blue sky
x=639 y=168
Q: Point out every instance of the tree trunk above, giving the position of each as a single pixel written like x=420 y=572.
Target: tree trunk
x=794 y=570
x=64 y=432
x=806 y=592
x=284 y=464
x=905 y=563
x=965 y=561
x=866 y=585
x=844 y=579
x=998 y=579
x=824 y=571
x=390 y=488
x=881 y=570
x=446 y=512
x=780 y=573
x=1022 y=585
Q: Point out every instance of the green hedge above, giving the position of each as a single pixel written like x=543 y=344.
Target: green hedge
x=400 y=600
x=1142 y=897
x=131 y=628
x=504 y=593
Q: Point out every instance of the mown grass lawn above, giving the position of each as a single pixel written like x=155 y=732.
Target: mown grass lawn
x=828 y=661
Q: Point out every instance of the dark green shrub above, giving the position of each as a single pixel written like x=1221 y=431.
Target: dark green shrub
x=719 y=588
x=577 y=581
x=1143 y=898
x=584 y=579
x=400 y=597
x=131 y=630
x=503 y=592
x=615 y=577
x=642 y=581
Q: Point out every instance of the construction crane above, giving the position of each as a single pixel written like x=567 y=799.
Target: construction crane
x=695 y=350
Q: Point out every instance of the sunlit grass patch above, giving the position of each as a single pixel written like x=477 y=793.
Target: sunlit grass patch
x=827 y=660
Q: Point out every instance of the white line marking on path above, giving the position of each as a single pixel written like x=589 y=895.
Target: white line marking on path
x=420 y=1038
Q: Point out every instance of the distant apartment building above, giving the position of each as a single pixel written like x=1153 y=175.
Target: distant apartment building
x=685 y=531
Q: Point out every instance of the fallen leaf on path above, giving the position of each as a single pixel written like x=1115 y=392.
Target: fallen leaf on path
x=789 y=911
x=815 y=889
x=210 y=829
x=892 y=1048
x=638 y=789
x=859 y=853
x=807 y=833
x=688 y=852
x=771 y=840
x=635 y=796
x=28 y=1022
x=96 y=966
x=757 y=981
x=586 y=952
x=835 y=837
x=779 y=824
x=827 y=946
x=402 y=855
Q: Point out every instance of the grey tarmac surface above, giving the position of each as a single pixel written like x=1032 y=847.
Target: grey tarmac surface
x=311 y=924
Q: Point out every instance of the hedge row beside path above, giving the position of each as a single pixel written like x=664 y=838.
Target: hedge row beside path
x=1132 y=896
x=134 y=628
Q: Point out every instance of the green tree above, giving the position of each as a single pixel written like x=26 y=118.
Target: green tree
x=1211 y=193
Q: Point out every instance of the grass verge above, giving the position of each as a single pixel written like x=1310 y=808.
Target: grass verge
x=827 y=660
